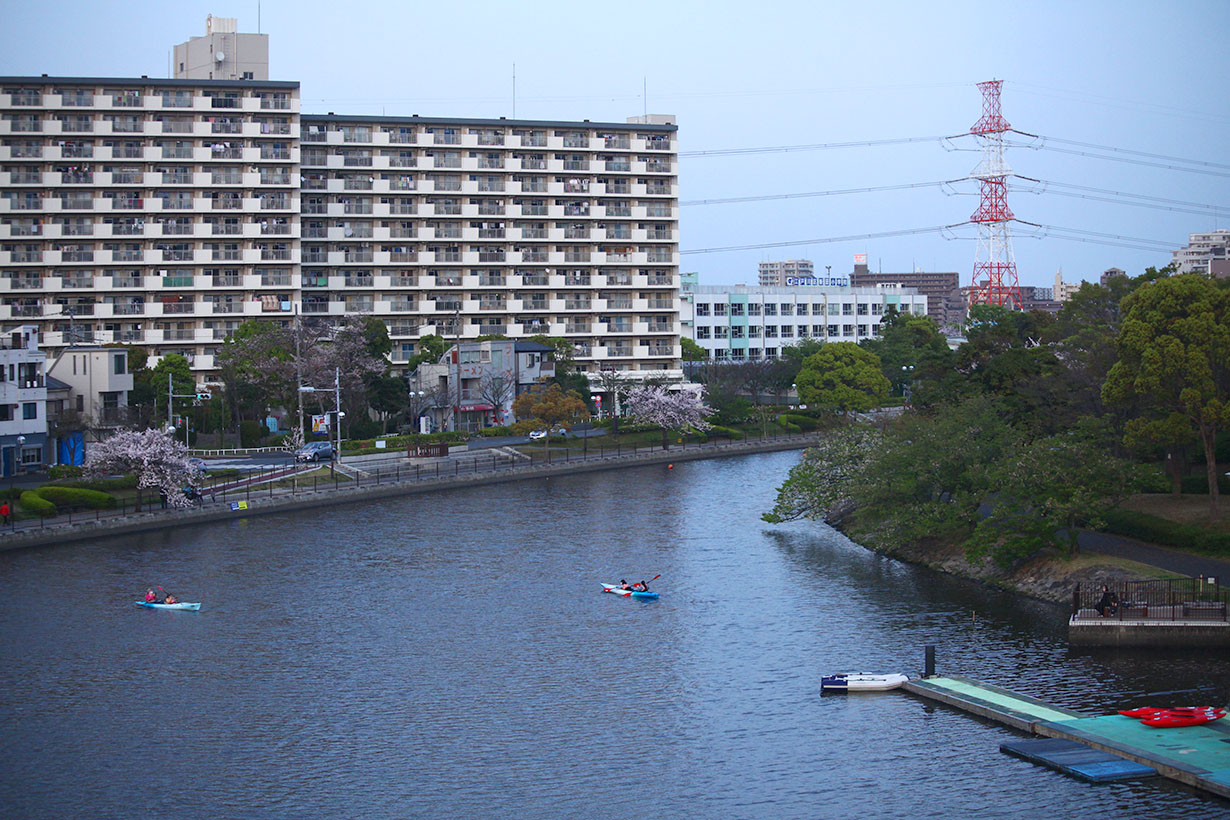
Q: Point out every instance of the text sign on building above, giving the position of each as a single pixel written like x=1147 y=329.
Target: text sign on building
x=818 y=281
x=860 y=259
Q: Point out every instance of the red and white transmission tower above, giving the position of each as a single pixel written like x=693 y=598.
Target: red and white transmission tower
x=995 y=281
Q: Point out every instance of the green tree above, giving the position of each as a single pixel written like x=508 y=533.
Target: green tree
x=843 y=376
x=182 y=380
x=431 y=348
x=546 y=407
x=1174 y=358
x=1047 y=491
x=692 y=352
x=912 y=352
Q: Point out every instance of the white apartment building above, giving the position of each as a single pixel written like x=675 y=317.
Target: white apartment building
x=155 y=212
x=776 y=274
x=165 y=213
x=223 y=53
x=1204 y=252
x=470 y=227
x=742 y=323
x=23 y=401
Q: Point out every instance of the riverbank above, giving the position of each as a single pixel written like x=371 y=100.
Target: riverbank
x=377 y=485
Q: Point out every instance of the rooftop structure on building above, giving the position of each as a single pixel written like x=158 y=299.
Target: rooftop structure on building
x=1111 y=273
x=741 y=323
x=945 y=303
x=1204 y=253
x=165 y=213
x=779 y=273
x=223 y=53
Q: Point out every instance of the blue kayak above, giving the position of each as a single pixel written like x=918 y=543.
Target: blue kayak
x=627 y=593
x=191 y=607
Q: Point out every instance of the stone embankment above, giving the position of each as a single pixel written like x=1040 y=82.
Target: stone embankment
x=407 y=482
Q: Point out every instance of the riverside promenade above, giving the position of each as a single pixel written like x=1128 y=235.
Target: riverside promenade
x=261 y=496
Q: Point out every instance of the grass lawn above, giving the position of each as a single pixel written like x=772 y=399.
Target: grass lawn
x=1182 y=509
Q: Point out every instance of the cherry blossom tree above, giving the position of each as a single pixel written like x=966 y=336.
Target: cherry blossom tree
x=672 y=411
x=158 y=461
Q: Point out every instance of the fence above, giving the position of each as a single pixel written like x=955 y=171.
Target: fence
x=286 y=481
x=1171 y=599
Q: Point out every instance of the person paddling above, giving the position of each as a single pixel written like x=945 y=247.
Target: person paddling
x=640 y=586
x=170 y=599
x=150 y=596
x=624 y=584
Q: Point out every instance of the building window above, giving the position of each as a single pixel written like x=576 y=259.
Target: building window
x=737 y=332
x=862 y=330
x=847 y=309
x=834 y=309
x=770 y=310
x=770 y=332
x=721 y=332
x=736 y=310
x=753 y=309
x=702 y=309
x=862 y=309
x=719 y=309
x=121 y=364
x=753 y=332
x=802 y=331
x=787 y=331
x=6 y=412
x=702 y=333
x=877 y=309
x=29 y=410
x=787 y=308
x=770 y=352
x=31 y=455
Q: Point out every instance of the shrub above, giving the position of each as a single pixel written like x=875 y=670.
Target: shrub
x=717 y=431
x=126 y=482
x=34 y=503
x=76 y=498
x=251 y=433
x=1157 y=530
x=66 y=471
x=495 y=432
x=798 y=421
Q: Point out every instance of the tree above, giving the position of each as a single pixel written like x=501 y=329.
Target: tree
x=692 y=352
x=613 y=383
x=1048 y=490
x=843 y=376
x=677 y=411
x=819 y=486
x=431 y=348
x=495 y=388
x=158 y=461
x=388 y=396
x=548 y=407
x=1174 y=356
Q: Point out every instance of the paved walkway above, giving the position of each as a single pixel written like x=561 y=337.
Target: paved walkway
x=1184 y=563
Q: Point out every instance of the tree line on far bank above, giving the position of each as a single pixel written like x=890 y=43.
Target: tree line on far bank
x=1036 y=426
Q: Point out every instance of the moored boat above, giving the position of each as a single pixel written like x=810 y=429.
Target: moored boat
x=1153 y=711
x=1176 y=720
x=193 y=607
x=628 y=593
x=862 y=682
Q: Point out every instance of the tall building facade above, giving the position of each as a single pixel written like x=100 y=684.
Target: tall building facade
x=776 y=274
x=167 y=212
x=742 y=323
x=945 y=303
x=1205 y=253
x=223 y=54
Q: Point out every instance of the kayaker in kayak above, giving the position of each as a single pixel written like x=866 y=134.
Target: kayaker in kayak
x=170 y=599
x=150 y=597
x=640 y=586
x=624 y=584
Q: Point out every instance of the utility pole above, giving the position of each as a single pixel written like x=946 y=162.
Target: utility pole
x=457 y=337
x=171 y=396
x=299 y=377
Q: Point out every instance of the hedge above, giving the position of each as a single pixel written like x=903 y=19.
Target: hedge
x=66 y=471
x=798 y=421
x=726 y=432
x=1157 y=530
x=34 y=503
x=76 y=498
x=127 y=482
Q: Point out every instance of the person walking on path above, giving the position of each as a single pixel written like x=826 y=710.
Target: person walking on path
x=6 y=513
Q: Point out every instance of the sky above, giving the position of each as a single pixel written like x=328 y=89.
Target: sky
x=1129 y=96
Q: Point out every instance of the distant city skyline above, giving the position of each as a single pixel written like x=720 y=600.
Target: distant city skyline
x=794 y=75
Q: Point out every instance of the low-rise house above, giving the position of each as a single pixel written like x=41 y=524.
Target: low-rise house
x=23 y=402
x=475 y=383
x=98 y=382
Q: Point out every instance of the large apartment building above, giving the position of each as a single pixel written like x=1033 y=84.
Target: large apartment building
x=167 y=212
x=1207 y=253
x=776 y=274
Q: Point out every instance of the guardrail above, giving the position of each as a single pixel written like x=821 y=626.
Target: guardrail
x=238 y=451
x=282 y=482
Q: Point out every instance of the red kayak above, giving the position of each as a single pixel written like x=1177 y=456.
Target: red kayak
x=1175 y=721
x=1154 y=711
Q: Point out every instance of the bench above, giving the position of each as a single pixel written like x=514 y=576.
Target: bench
x=1213 y=610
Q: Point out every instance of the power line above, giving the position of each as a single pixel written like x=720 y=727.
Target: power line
x=766 y=197
x=1143 y=197
x=1109 y=238
x=822 y=241
x=1046 y=139
x=821 y=146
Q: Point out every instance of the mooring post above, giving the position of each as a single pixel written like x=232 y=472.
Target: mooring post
x=929 y=663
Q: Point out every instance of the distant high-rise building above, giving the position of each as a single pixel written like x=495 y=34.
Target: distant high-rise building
x=223 y=54
x=1110 y=273
x=945 y=304
x=1202 y=251
x=1063 y=290
x=775 y=274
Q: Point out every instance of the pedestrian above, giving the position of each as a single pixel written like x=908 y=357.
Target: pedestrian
x=6 y=512
x=1107 y=603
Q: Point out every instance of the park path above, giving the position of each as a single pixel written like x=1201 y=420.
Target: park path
x=1185 y=563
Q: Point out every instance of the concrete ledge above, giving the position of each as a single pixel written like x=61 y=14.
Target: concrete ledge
x=1149 y=633
x=325 y=496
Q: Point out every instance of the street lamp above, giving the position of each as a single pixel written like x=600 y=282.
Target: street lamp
x=21 y=441
x=337 y=398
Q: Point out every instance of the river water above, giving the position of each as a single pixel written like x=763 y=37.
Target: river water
x=450 y=656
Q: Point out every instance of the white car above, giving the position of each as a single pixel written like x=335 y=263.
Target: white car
x=538 y=435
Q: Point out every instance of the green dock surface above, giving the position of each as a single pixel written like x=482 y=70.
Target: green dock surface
x=1196 y=755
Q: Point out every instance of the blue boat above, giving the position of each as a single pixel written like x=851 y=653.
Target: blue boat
x=628 y=593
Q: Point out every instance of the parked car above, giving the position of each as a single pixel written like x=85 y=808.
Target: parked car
x=538 y=435
x=315 y=451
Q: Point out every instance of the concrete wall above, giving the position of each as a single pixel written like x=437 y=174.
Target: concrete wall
x=1164 y=634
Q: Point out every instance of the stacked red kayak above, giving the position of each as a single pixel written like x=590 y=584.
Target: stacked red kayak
x=1175 y=716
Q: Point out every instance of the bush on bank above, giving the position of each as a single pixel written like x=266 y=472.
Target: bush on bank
x=76 y=498
x=35 y=504
x=1157 y=530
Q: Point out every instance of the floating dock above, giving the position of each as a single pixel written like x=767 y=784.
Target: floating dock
x=1198 y=756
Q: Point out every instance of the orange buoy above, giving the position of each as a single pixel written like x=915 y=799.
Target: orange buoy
x=670 y=466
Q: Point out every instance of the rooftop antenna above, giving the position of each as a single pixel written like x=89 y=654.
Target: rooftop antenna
x=258 y=16
x=645 y=96
x=514 y=91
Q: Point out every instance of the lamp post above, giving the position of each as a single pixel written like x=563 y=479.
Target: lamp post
x=21 y=442
x=337 y=398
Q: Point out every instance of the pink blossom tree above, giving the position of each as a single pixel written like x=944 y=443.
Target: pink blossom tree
x=158 y=461
x=672 y=411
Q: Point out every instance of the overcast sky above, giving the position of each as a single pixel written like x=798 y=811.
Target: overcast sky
x=1143 y=77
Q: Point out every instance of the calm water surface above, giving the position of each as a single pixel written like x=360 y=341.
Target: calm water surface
x=450 y=656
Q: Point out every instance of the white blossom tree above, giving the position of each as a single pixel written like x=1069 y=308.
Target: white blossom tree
x=672 y=411
x=158 y=461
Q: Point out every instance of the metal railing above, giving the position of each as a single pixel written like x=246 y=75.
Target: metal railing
x=1169 y=599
